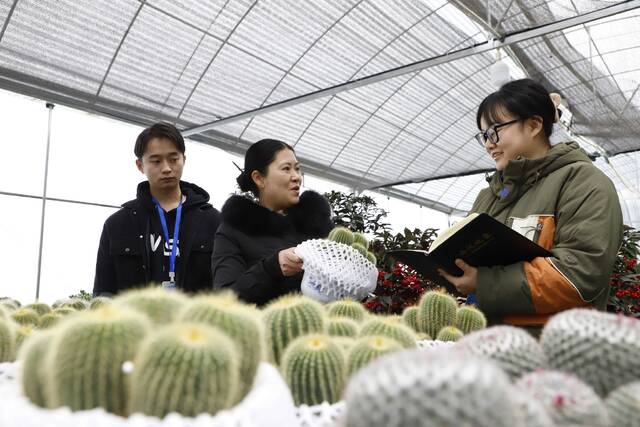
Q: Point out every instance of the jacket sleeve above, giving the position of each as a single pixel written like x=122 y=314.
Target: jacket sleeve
x=105 y=278
x=255 y=284
x=584 y=238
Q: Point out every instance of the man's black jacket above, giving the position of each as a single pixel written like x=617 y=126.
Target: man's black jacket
x=124 y=256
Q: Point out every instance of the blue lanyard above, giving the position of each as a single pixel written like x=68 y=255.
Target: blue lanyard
x=176 y=231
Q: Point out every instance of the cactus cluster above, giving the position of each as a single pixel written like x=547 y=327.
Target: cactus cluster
x=314 y=367
x=85 y=361
x=289 y=317
x=185 y=368
x=436 y=310
x=240 y=323
x=347 y=308
x=512 y=348
x=389 y=327
x=366 y=349
x=25 y=317
x=599 y=348
x=470 y=319
x=39 y=307
x=566 y=398
x=342 y=235
x=430 y=388
x=160 y=306
x=449 y=333
x=342 y=327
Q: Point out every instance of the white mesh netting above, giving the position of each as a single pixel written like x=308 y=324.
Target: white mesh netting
x=269 y=403
x=334 y=271
x=323 y=415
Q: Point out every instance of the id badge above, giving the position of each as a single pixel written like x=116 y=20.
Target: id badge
x=169 y=285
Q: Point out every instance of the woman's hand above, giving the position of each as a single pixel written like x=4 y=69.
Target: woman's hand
x=465 y=284
x=290 y=263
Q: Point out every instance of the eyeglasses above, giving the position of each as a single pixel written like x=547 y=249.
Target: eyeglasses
x=491 y=134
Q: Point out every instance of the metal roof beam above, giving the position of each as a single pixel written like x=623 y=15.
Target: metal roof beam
x=478 y=48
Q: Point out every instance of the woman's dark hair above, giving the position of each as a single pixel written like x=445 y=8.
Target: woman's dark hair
x=159 y=130
x=523 y=98
x=258 y=158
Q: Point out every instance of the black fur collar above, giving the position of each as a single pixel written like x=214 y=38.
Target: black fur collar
x=311 y=217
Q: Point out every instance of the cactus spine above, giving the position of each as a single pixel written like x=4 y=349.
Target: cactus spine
x=391 y=328
x=22 y=333
x=366 y=349
x=372 y=258
x=437 y=310
x=347 y=308
x=470 y=319
x=289 y=317
x=98 y=302
x=315 y=369
x=449 y=333
x=240 y=323
x=185 y=368
x=85 y=363
x=342 y=327
x=341 y=235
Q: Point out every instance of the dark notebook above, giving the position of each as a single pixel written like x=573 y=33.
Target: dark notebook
x=479 y=240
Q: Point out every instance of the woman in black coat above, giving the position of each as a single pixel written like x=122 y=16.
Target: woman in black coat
x=254 y=246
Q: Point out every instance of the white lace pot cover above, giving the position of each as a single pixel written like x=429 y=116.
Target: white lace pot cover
x=323 y=415
x=268 y=404
x=334 y=271
x=431 y=344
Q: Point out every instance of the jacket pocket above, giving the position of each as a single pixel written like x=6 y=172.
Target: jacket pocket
x=128 y=262
x=198 y=275
x=124 y=247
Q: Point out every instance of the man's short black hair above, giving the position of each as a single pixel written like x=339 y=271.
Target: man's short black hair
x=158 y=130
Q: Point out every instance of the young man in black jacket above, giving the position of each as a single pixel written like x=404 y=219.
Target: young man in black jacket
x=137 y=243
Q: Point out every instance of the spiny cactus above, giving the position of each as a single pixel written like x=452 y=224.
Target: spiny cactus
x=341 y=235
x=566 y=399
x=240 y=323
x=185 y=368
x=392 y=328
x=361 y=249
x=98 y=302
x=347 y=308
x=429 y=388
x=345 y=343
x=343 y=327
x=85 y=363
x=64 y=311
x=469 y=319
x=161 y=306
x=361 y=239
x=366 y=349
x=410 y=317
x=315 y=369
x=532 y=412
x=7 y=341
x=76 y=304
x=39 y=307
x=9 y=303
x=623 y=405
x=514 y=349
x=599 y=348
x=437 y=310
x=372 y=258
x=49 y=320
x=33 y=369
x=449 y=333
x=25 y=316
x=289 y=317
x=421 y=336
x=22 y=333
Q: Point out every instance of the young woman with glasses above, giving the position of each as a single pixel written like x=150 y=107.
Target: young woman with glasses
x=553 y=195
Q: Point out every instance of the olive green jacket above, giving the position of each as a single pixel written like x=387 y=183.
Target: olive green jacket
x=566 y=205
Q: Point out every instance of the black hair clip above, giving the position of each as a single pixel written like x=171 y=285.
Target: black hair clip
x=239 y=168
